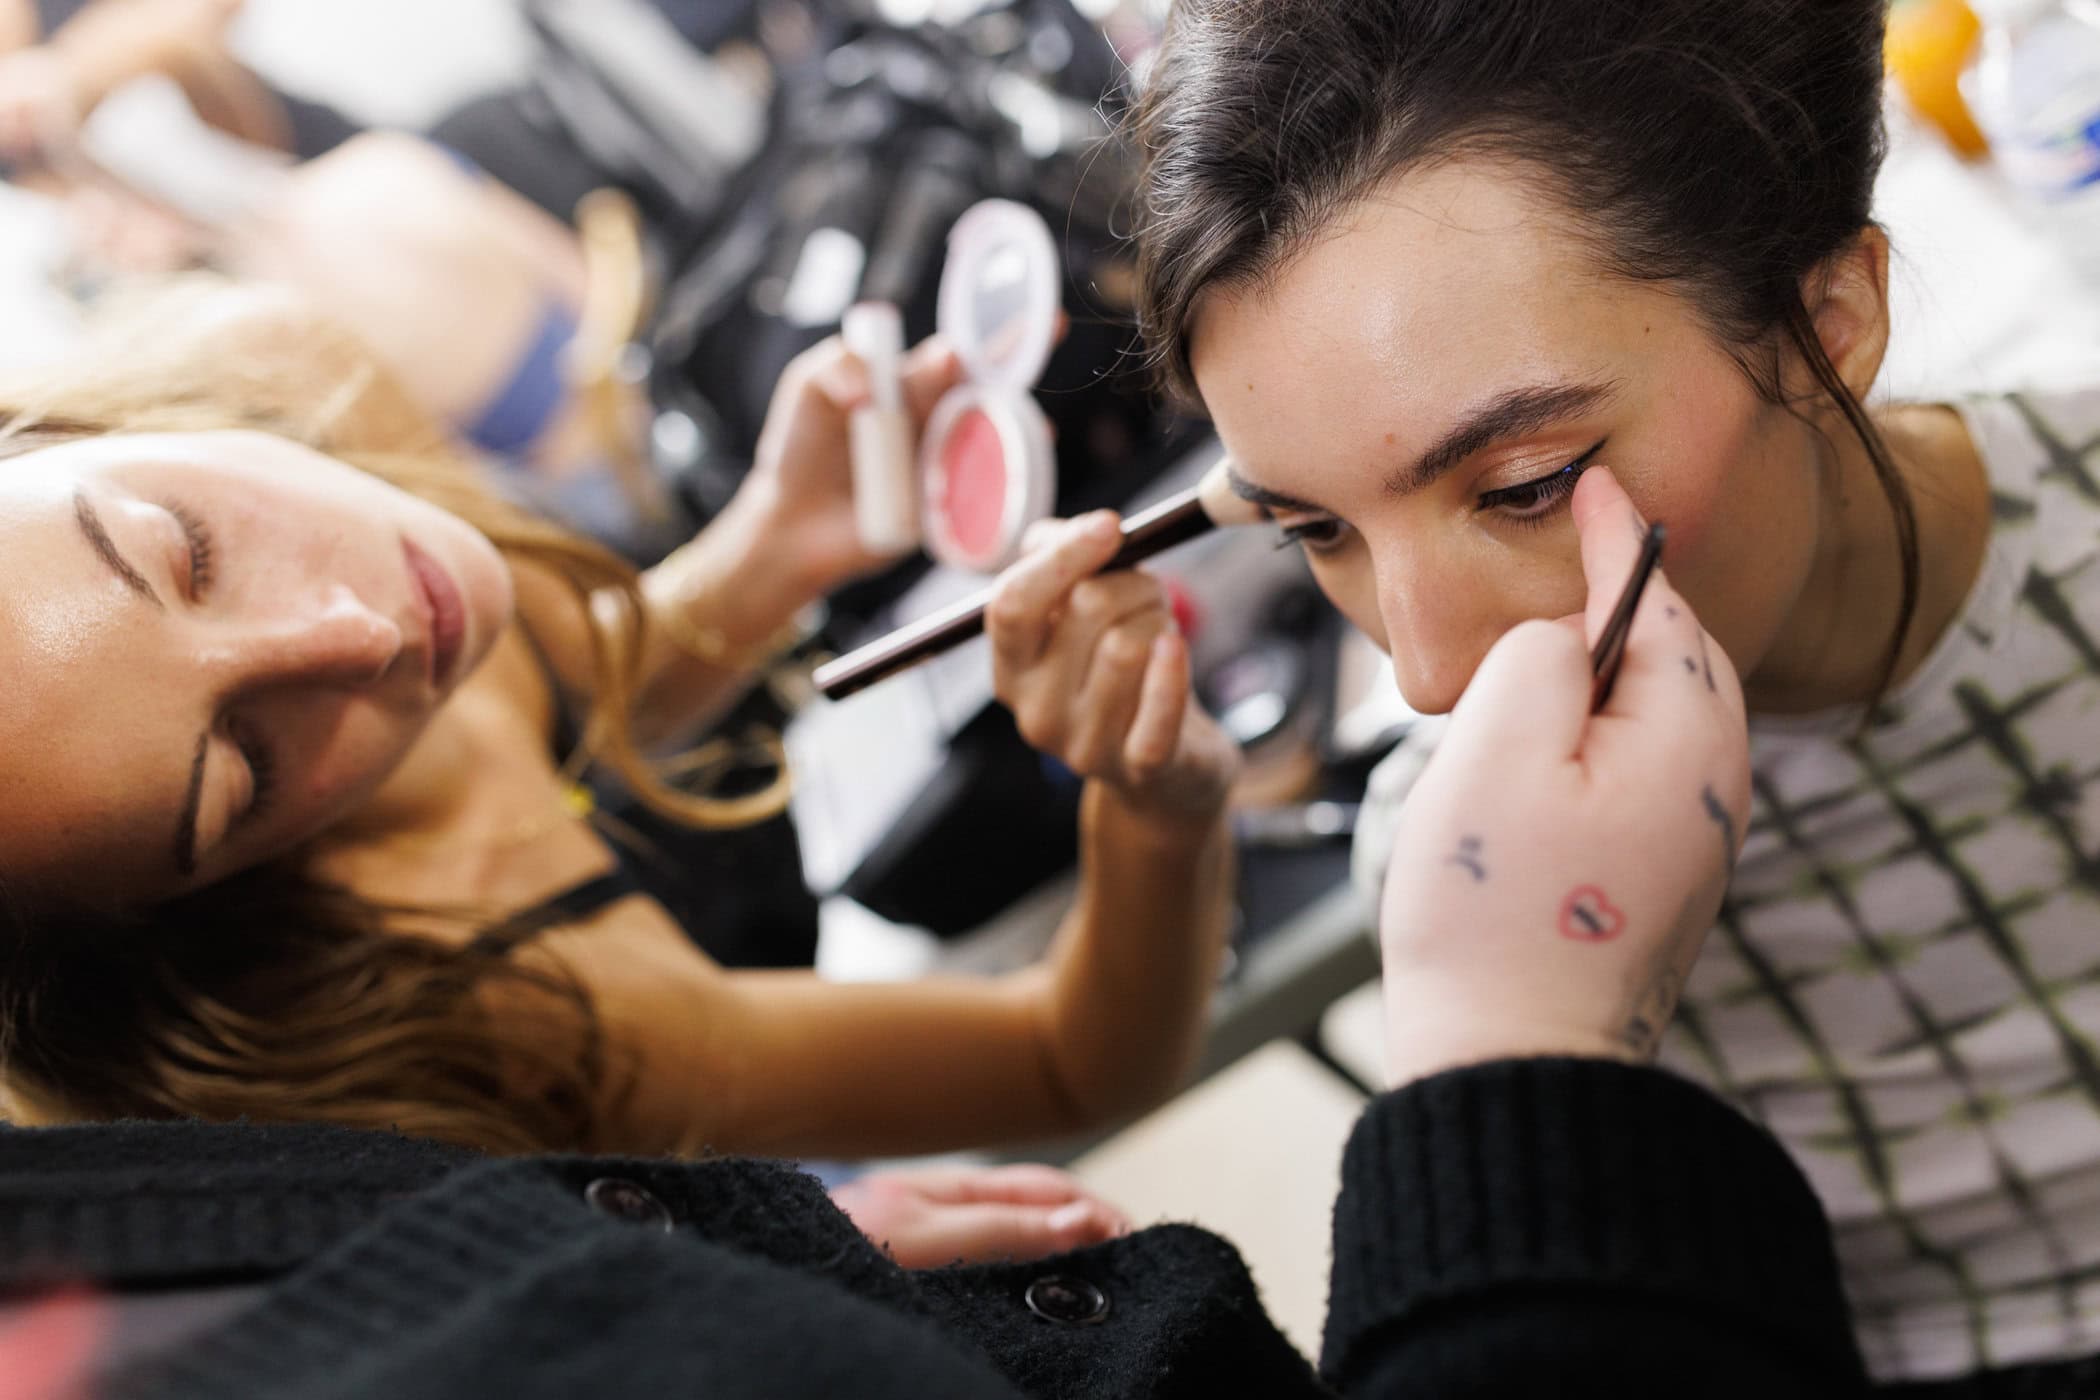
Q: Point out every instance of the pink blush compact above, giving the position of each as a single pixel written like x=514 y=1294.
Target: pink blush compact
x=973 y=475
x=987 y=463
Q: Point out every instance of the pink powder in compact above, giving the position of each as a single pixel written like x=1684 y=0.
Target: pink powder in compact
x=973 y=467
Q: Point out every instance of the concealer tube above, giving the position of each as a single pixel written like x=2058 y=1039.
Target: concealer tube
x=885 y=459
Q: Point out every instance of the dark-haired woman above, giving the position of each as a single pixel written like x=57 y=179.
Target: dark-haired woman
x=1424 y=263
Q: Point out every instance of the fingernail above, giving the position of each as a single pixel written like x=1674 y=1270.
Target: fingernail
x=1066 y=1216
x=1103 y=525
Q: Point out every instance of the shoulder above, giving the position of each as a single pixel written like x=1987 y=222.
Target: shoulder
x=2030 y=440
x=666 y=1017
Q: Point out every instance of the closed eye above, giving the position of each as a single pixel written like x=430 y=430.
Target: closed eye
x=202 y=560
x=262 y=771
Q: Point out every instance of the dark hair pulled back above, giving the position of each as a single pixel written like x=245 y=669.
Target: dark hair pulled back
x=1725 y=147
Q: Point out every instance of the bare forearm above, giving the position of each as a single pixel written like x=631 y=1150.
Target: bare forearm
x=715 y=604
x=1138 y=956
x=112 y=42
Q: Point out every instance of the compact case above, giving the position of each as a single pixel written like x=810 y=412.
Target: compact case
x=988 y=467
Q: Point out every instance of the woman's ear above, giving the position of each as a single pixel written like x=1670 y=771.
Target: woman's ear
x=1847 y=297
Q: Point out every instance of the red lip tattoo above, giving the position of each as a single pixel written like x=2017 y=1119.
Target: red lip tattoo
x=1587 y=915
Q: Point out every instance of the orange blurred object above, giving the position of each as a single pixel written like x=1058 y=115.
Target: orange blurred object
x=1929 y=43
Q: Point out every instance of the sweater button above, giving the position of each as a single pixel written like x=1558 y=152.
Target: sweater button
x=624 y=1200
x=1062 y=1298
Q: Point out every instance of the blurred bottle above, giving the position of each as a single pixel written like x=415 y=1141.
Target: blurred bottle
x=1929 y=43
x=2035 y=90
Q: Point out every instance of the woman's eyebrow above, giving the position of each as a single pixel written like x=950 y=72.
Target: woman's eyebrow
x=1510 y=413
x=91 y=525
x=1263 y=496
x=186 y=825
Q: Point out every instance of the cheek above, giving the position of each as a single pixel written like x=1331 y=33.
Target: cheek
x=1738 y=496
x=332 y=760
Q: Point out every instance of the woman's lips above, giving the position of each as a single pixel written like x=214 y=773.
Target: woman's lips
x=448 y=612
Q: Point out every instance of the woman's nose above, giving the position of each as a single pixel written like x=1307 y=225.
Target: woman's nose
x=1434 y=629
x=335 y=639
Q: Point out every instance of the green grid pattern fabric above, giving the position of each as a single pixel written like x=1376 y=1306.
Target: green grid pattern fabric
x=1904 y=984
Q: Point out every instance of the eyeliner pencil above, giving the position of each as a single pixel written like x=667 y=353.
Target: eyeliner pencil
x=1176 y=520
x=1611 y=643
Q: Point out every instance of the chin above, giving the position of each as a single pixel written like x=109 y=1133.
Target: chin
x=491 y=596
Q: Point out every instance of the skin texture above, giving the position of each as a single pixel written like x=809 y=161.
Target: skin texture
x=1452 y=286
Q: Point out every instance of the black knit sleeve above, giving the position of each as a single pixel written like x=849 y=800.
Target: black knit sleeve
x=1560 y=1226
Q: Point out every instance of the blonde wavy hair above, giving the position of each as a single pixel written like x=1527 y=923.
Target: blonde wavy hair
x=269 y=995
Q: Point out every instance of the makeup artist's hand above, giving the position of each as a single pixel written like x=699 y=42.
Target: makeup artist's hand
x=925 y=1217
x=1554 y=872
x=800 y=488
x=1097 y=674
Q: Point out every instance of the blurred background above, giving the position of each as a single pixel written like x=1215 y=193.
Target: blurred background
x=587 y=235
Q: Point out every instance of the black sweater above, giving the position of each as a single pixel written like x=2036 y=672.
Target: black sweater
x=1535 y=1228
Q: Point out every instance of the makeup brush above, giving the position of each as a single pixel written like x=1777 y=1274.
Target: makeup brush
x=1197 y=511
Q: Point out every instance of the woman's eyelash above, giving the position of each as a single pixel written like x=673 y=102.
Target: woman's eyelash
x=1534 y=500
x=1313 y=534
x=199 y=536
x=1525 y=503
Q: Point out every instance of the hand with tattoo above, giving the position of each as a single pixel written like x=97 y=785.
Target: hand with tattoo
x=1555 y=872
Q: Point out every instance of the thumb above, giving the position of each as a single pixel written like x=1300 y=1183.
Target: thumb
x=930 y=370
x=1611 y=529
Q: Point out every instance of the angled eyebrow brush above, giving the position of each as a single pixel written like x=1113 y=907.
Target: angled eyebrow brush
x=1189 y=515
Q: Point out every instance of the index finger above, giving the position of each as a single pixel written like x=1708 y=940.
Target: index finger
x=1018 y=615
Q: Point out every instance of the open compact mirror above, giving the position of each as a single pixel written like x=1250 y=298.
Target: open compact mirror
x=988 y=468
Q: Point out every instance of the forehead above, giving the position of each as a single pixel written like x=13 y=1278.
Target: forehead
x=1444 y=284
x=79 y=706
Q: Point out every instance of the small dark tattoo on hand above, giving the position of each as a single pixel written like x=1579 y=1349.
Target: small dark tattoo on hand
x=1468 y=858
x=1651 y=1014
x=1722 y=818
x=1669 y=612
x=1691 y=667
x=1707 y=662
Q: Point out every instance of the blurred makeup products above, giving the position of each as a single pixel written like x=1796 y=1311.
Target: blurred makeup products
x=988 y=469
x=885 y=475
